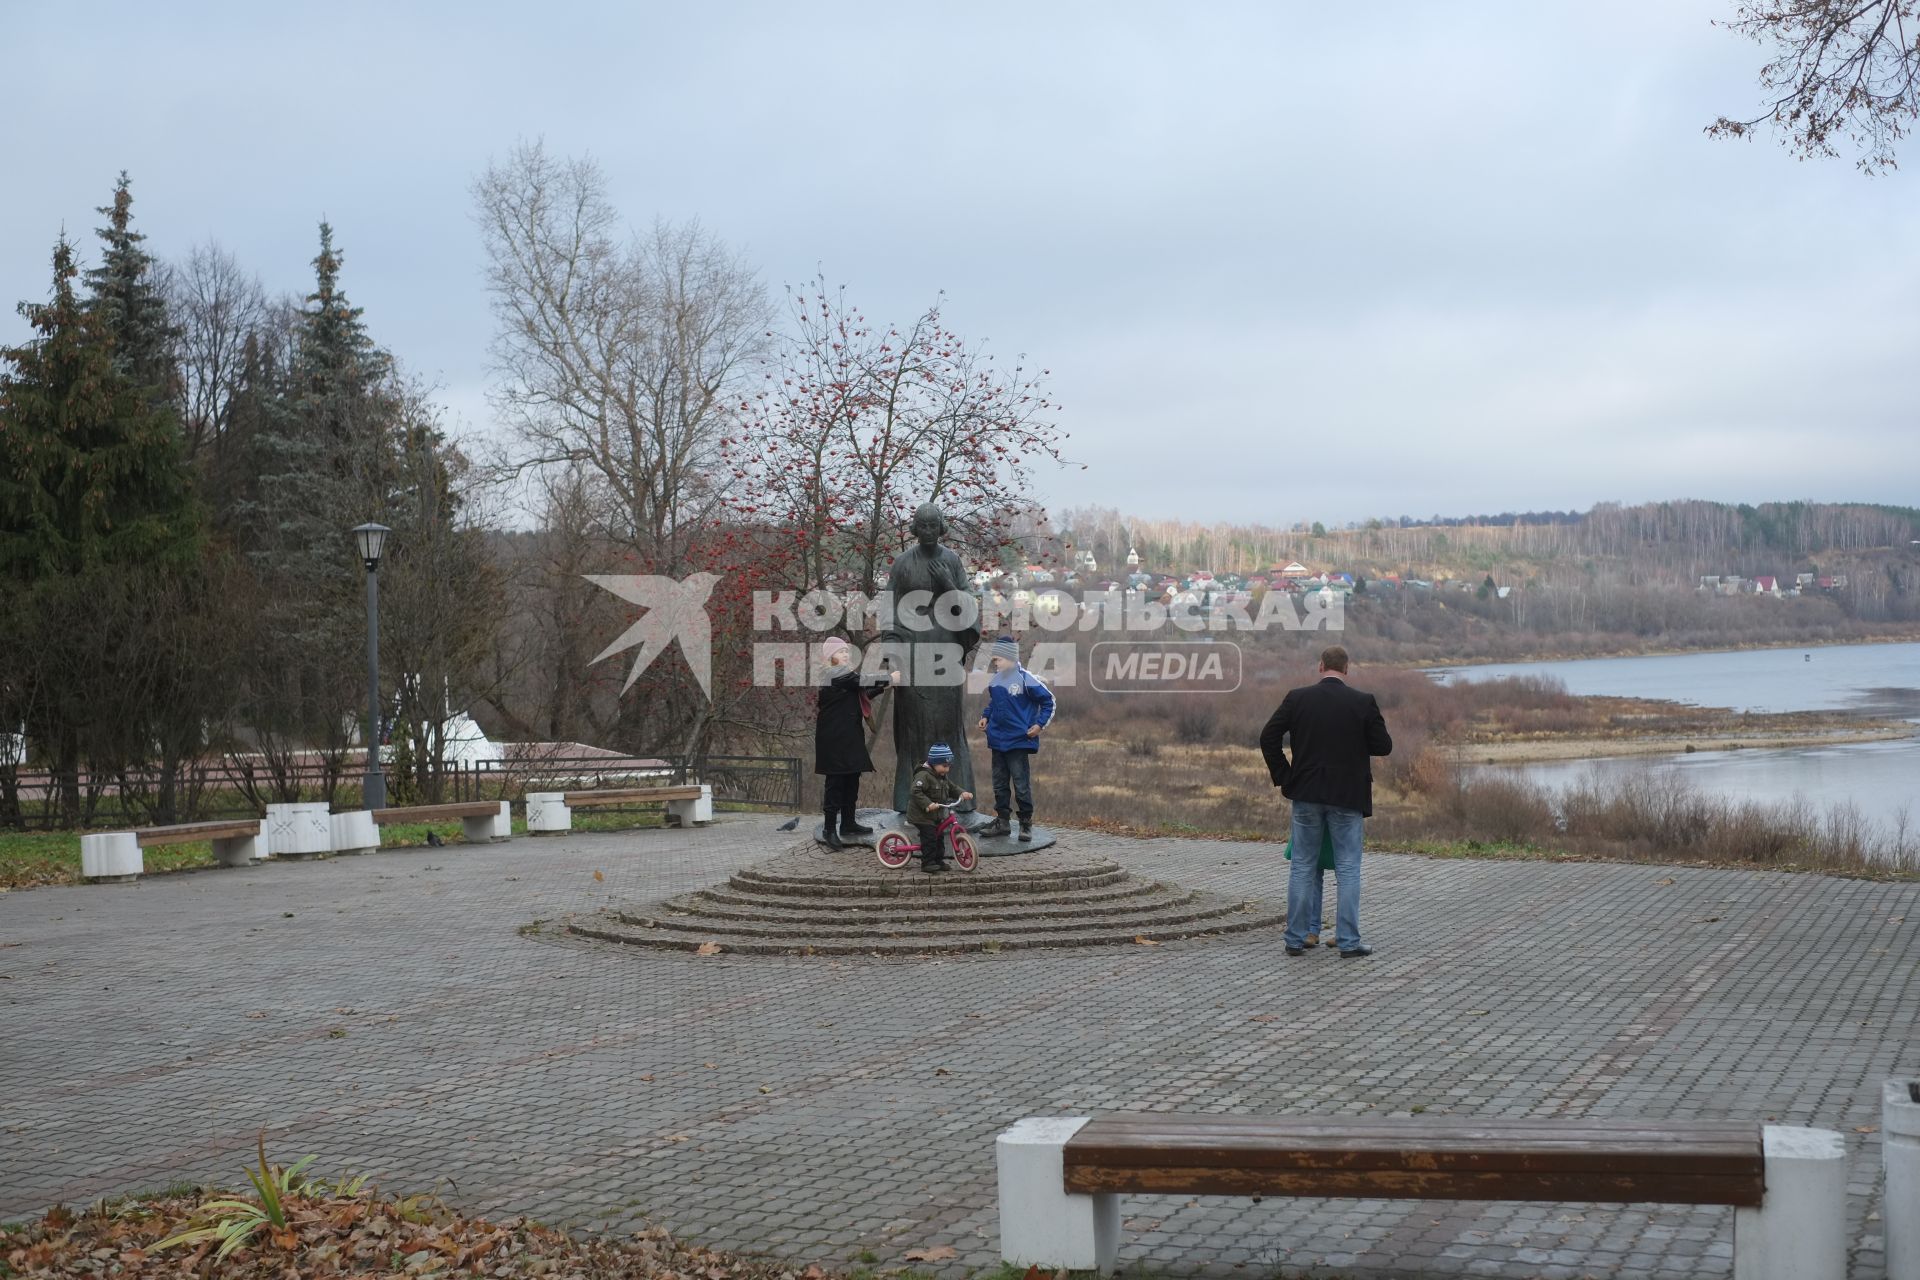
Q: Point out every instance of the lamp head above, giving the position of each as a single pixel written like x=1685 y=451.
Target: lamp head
x=372 y=540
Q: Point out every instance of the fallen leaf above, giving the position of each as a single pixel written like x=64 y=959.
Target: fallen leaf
x=647 y=1078
x=938 y=1253
x=598 y=877
x=678 y=1137
x=1668 y=880
x=1708 y=920
x=1866 y=1128
x=707 y=949
x=1264 y=1017
x=1478 y=1013
x=941 y=1071
x=1143 y=940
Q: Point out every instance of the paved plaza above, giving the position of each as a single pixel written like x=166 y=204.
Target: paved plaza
x=394 y=1015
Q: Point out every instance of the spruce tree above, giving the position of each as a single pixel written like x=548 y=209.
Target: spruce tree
x=90 y=472
x=97 y=526
x=320 y=434
x=124 y=294
x=338 y=372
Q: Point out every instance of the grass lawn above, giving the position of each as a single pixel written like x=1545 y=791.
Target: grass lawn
x=29 y=858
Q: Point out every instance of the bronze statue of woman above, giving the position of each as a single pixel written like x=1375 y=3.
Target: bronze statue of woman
x=932 y=636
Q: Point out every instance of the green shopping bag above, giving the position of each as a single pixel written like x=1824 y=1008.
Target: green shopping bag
x=1326 y=849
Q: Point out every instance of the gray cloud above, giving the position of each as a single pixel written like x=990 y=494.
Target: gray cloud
x=1285 y=263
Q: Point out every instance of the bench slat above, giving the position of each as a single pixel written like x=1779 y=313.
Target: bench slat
x=1688 y=1162
x=432 y=812
x=628 y=795
x=193 y=832
x=1407 y=1184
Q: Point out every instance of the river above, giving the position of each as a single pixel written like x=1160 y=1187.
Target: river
x=1880 y=779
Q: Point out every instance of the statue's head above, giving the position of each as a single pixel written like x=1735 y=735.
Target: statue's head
x=929 y=525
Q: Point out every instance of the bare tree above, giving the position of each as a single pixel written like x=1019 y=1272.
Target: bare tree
x=623 y=355
x=1843 y=72
x=864 y=422
x=216 y=304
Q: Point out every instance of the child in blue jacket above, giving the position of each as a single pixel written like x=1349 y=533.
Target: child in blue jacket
x=1019 y=705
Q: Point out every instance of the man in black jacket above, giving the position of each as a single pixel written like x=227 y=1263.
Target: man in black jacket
x=1334 y=731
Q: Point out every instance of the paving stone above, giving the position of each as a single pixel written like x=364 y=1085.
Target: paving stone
x=794 y=1103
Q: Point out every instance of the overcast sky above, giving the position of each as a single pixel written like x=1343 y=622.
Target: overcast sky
x=1287 y=261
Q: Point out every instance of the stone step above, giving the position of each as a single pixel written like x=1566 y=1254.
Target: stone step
x=1195 y=908
x=881 y=884
x=603 y=928
x=1116 y=894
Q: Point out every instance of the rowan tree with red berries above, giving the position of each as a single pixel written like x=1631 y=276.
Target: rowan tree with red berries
x=858 y=423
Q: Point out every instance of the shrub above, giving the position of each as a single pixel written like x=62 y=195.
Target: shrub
x=1195 y=726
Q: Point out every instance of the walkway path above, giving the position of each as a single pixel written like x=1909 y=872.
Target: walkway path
x=387 y=1014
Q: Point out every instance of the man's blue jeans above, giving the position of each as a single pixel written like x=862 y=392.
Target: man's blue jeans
x=1303 y=885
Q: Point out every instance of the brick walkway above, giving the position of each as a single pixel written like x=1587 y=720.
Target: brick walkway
x=386 y=1014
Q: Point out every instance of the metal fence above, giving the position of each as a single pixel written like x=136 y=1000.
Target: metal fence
x=242 y=785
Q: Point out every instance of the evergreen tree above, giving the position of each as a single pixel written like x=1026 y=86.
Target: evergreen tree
x=97 y=524
x=339 y=374
x=125 y=295
x=319 y=442
x=90 y=473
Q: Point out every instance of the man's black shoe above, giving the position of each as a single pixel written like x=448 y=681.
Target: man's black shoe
x=1296 y=951
x=1356 y=953
x=850 y=827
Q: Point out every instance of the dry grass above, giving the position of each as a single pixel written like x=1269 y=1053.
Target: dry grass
x=1190 y=764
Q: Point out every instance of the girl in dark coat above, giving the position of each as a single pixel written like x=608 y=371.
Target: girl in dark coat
x=840 y=741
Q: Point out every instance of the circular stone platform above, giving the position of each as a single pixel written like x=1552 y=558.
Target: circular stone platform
x=816 y=902
x=885 y=820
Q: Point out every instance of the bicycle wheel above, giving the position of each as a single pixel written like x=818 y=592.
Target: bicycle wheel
x=895 y=850
x=965 y=855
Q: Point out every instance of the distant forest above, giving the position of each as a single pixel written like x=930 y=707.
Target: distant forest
x=1613 y=579
x=1672 y=541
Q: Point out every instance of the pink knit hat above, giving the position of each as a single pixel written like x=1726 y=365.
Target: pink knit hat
x=830 y=646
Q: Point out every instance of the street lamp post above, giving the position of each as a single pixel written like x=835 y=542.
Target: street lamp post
x=372 y=540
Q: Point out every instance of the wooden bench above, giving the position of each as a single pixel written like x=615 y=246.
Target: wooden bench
x=1061 y=1177
x=110 y=857
x=480 y=820
x=688 y=804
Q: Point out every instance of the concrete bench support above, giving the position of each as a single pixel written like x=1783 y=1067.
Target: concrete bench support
x=494 y=826
x=302 y=830
x=1800 y=1232
x=1900 y=1151
x=547 y=812
x=1040 y=1223
x=111 y=857
x=353 y=832
x=239 y=851
x=691 y=813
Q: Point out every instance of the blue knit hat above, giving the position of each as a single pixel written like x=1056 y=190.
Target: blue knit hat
x=1007 y=647
x=939 y=753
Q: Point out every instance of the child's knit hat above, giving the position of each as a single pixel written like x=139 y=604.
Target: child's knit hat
x=1007 y=647
x=939 y=753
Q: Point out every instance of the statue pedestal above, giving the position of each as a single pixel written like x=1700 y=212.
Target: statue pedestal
x=885 y=820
